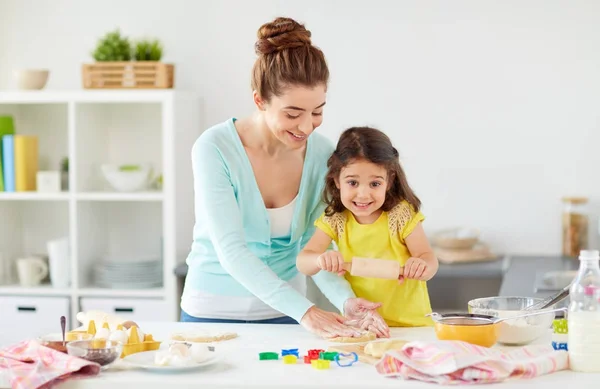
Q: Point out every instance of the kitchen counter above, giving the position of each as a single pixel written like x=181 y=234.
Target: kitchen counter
x=241 y=367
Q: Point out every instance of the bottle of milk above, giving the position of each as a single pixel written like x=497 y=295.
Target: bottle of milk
x=584 y=315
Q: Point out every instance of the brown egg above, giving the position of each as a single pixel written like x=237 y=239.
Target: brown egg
x=128 y=324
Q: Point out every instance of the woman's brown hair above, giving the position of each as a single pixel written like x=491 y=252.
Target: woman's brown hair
x=286 y=57
x=369 y=144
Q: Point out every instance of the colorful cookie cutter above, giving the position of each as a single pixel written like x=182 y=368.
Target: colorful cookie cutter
x=328 y=355
x=560 y=326
x=291 y=351
x=560 y=346
x=347 y=362
x=268 y=356
x=312 y=355
x=289 y=359
x=320 y=364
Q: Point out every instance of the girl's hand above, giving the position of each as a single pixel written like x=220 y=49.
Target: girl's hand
x=416 y=269
x=327 y=324
x=331 y=261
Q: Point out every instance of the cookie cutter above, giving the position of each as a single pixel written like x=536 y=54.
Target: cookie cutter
x=312 y=355
x=265 y=356
x=347 y=362
x=289 y=359
x=560 y=326
x=320 y=364
x=328 y=355
x=560 y=346
x=291 y=351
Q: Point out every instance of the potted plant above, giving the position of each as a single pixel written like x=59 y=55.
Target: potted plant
x=121 y=64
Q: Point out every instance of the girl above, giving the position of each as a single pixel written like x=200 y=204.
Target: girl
x=372 y=212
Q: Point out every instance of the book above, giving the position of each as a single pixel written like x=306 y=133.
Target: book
x=7 y=127
x=26 y=162
x=8 y=161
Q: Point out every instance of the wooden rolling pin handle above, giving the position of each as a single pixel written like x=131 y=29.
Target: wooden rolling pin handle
x=376 y=268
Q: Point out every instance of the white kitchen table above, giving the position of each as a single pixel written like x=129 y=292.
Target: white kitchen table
x=241 y=367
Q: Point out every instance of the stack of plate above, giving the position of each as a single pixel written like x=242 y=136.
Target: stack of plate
x=129 y=274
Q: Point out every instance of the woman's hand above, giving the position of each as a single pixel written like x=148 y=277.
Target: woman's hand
x=327 y=324
x=331 y=261
x=363 y=314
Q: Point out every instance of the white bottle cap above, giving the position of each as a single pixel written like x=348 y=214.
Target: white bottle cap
x=589 y=255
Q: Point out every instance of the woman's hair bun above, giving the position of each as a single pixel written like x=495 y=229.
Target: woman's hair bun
x=281 y=34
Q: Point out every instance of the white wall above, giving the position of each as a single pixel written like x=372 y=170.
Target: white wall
x=492 y=104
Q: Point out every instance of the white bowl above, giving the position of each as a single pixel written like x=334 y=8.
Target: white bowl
x=123 y=179
x=31 y=79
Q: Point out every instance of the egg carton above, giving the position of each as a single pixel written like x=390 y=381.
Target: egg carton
x=134 y=343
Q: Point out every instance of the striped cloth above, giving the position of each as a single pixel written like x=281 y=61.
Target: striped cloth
x=459 y=363
x=29 y=365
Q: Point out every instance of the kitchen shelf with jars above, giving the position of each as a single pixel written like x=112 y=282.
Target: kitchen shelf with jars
x=96 y=200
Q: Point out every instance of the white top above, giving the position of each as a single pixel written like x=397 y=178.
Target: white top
x=241 y=367
x=207 y=305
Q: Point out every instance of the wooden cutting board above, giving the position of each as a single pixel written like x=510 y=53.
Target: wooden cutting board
x=359 y=349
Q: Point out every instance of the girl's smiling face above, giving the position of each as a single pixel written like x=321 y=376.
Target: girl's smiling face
x=363 y=186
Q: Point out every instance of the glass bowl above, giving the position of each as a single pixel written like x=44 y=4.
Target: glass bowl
x=518 y=331
x=101 y=351
x=54 y=341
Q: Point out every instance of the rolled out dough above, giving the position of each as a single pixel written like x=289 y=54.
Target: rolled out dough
x=365 y=337
x=379 y=348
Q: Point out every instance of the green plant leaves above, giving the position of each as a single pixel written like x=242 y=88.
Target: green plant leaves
x=115 y=47
x=146 y=50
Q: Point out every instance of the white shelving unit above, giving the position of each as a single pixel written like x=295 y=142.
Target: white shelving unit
x=91 y=128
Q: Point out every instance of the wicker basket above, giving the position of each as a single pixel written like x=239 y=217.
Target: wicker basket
x=128 y=75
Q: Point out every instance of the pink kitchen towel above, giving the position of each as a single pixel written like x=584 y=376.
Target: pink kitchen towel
x=460 y=363
x=29 y=365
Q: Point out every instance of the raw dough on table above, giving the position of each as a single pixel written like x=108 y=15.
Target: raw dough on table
x=204 y=338
x=379 y=348
x=366 y=336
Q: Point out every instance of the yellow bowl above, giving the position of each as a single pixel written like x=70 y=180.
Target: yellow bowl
x=474 y=329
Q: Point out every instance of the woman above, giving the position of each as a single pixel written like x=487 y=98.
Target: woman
x=258 y=184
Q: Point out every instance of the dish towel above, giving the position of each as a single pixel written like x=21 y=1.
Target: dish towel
x=459 y=363
x=29 y=365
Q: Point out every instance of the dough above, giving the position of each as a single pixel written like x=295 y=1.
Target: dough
x=204 y=338
x=366 y=336
x=379 y=348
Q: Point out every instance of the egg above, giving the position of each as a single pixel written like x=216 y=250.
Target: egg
x=128 y=324
x=102 y=333
x=199 y=352
x=119 y=336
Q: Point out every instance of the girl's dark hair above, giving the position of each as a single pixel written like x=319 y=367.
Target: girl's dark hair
x=286 y=57
x=372 y=145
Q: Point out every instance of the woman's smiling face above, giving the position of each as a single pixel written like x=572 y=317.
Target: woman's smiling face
x=295 y=114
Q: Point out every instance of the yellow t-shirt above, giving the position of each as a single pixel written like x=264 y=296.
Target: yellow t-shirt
x=403 y=305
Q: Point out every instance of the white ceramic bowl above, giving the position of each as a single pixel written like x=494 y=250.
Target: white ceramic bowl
x=518 y=331
x=125 y=179
x=31 y=79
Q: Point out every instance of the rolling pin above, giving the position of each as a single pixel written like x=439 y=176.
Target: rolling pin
x=374 y=268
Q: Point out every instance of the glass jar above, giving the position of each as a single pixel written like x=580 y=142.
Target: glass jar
x=574 y=226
